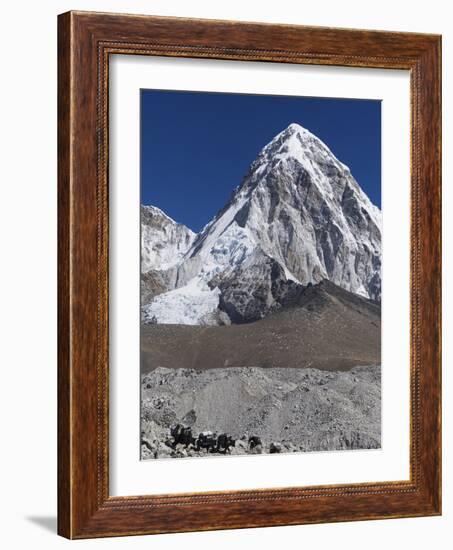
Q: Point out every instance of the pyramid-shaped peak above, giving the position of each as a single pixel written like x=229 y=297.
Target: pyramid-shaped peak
x=294 y=140
x=295 y=127
x=294 y=132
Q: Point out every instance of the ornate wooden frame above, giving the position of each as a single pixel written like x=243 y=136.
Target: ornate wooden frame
x=85 y=42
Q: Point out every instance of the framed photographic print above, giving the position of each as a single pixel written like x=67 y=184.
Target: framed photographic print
x=249 y=275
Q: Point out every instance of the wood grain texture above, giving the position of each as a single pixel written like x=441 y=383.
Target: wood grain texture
x=86 y=40
x=64 y=366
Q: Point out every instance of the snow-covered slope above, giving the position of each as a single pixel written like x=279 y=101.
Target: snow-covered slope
x=298 y=217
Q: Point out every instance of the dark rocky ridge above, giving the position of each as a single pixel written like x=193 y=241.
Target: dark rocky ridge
x=325 y=327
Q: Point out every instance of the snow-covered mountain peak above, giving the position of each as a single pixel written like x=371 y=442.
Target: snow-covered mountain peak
x=295 y=130
x=297 y=144
x=298 y=215
x=151 y=211
x=164 y=241
x=153 y=214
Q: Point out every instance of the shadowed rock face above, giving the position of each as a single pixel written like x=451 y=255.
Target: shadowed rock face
x=261 y=410
x=256 y=288
x=298 y=217
x=324 y=326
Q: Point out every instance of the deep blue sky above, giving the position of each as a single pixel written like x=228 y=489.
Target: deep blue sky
x=196 y=146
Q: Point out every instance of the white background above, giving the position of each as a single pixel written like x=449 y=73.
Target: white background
x=130 y=476
x=28 y=275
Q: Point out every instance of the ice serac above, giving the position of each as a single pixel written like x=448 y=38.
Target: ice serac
x=298 y=217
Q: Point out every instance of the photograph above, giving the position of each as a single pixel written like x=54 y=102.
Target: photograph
x=226 y=275
x=260 y=279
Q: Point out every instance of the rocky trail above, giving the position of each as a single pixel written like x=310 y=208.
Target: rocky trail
x=260 y=410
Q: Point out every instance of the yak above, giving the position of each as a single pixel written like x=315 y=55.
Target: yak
x=182 y=435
